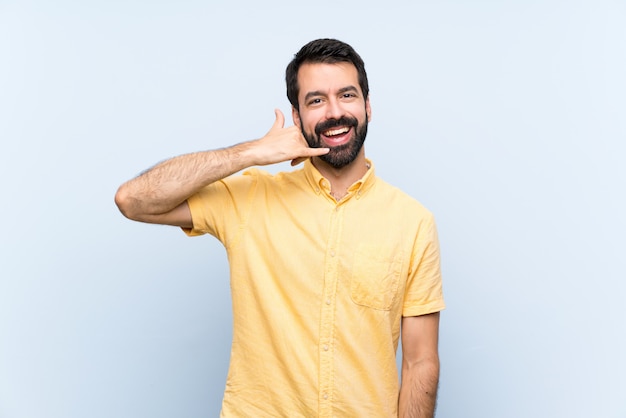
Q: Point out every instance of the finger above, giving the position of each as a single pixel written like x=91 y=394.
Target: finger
x=314 y=152
x=279 y=123
x=298 y=160
x=311 y=152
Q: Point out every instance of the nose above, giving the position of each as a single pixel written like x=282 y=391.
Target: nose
x=333 y=109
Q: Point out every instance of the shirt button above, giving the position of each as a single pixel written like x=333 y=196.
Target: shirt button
x=328 y=301
x=325 y=347
x=325 y=396
x=332 y=253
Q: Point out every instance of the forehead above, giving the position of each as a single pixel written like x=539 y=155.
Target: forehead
x=326 y=78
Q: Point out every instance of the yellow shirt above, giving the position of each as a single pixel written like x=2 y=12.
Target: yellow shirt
x=319 y=288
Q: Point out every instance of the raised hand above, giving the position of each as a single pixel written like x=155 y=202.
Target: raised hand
x=283 y=144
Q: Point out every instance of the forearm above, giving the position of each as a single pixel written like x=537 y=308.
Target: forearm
x=158 y=192
x=418 y=392
x=168 y=184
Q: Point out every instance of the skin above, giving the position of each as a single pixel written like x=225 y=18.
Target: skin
x=330 y=91
x=420 y=366
x=327 y=91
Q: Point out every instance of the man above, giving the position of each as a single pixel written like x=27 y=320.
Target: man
x=329 y=264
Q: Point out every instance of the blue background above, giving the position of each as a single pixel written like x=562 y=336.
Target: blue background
x=505 y=118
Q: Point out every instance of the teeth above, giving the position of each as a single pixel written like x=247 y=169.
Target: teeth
x=334 y=132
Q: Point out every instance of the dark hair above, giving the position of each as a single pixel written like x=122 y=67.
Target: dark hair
x=327 y=51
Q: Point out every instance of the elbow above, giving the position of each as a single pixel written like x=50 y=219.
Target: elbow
x=428 y=364
x=430 y=358
x=124 y=203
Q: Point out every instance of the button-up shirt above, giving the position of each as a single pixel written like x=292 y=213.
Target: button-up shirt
x=319 y=288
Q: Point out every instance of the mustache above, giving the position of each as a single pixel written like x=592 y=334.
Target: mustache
x=333 y=123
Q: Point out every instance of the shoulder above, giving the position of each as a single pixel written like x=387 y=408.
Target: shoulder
x=265 y=177
x=399 y=200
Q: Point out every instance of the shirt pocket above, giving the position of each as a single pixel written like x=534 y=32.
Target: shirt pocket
x=375 y=277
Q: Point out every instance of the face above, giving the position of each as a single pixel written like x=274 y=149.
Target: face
x=333 y=112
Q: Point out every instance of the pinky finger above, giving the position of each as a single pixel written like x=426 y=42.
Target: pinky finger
x=298 y=160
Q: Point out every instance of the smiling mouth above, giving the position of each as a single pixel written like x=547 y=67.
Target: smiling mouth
x=336 y=132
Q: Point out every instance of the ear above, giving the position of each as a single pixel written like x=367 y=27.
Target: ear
x=295 y=115
x=368 y=109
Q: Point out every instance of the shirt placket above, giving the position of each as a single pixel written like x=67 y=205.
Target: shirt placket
x=327 y=325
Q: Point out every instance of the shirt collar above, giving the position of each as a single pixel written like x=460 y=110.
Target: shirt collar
x=320 y=184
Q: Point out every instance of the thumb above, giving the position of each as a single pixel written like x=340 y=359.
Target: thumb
x=279 y=123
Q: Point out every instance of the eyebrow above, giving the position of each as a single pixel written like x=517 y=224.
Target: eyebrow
x=320 y=93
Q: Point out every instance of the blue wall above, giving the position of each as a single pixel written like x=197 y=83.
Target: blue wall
x=506 y=119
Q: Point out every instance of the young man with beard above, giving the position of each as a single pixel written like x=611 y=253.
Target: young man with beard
x=329 y=264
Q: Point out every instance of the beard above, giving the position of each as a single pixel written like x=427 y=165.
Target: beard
x=341 y=155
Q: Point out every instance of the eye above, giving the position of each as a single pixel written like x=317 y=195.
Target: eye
x=314 y=101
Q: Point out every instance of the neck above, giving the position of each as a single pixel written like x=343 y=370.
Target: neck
x=342 y=178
